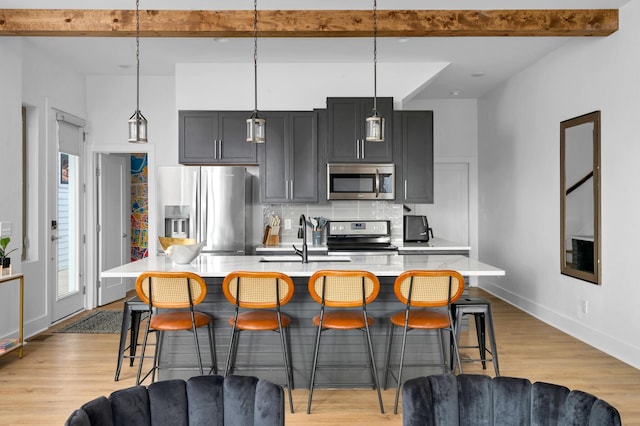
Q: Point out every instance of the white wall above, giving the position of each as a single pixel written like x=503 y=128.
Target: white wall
x=10 y=155
x=29 y=77
x=293 y=86
x=519 y=186
x=455 y=139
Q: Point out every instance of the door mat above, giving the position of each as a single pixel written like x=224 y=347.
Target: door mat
x=99 y=322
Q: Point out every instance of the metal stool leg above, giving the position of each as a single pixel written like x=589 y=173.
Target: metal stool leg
x=133 y=335
x=480 y=335
x=374 y=370
x=492 y=340
x=313 y=368
x=126 y=317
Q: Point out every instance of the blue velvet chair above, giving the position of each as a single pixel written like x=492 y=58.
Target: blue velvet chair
x=470 y=400
x=202 y=400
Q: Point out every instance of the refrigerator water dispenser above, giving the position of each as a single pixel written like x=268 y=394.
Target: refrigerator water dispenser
x=176 y=221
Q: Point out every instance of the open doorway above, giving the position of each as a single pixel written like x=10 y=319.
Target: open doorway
x=120 y=217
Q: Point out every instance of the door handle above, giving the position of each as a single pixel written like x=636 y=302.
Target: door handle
x=125 y=235
x=53 y=237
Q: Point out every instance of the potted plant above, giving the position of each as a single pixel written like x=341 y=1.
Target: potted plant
x=5 y=260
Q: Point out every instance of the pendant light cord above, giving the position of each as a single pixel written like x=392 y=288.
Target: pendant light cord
x=137 y=66
x=255 y=57
x=375 y=57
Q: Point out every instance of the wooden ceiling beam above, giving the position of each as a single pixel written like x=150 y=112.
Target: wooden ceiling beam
x=309 y=23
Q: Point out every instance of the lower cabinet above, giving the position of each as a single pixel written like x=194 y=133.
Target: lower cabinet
x=413 y=136
x=289 y=159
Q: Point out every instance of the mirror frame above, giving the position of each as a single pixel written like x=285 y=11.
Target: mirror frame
x=567 y=268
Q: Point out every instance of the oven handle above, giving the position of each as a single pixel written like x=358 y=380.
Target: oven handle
x=377 y=183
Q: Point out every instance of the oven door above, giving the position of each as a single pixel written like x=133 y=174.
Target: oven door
x=360 y=182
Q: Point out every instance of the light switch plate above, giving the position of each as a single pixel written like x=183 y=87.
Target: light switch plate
x=5 y=229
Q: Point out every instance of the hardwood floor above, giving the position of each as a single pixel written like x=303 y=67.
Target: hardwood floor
x=59 y=372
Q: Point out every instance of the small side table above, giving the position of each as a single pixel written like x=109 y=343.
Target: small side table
x=20 y=345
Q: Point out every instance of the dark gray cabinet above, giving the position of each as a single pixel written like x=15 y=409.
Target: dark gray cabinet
x=346 y=137
x=289 y=158
x=214 y=137
x=413 y=135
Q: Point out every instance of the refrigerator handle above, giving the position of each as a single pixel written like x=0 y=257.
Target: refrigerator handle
x=201 y=202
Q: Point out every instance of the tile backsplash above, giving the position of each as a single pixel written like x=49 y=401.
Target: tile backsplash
x=334 y=210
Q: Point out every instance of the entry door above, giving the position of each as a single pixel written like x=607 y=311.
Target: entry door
x=113 y=224
x=66 y=265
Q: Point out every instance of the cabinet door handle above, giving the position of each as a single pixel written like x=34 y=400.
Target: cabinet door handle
x=286 y=189
x=358 y=148
x=291 y=193
x=215 y=149
x=362 y=141
x=219 y=149
x=405 y=188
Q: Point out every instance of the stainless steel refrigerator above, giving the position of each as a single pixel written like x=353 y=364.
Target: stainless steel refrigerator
x=211 y=204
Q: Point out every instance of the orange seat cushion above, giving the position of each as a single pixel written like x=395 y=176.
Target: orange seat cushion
x=342 y=320
x=260 y=320
x=421 y=318
x=179 y=320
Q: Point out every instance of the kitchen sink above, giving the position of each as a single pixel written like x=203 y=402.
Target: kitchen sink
x=298 y=259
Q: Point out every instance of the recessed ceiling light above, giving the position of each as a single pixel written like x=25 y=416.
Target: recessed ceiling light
x=454 y=92
x=477 y=74
x=403 y=40
x=221 y=40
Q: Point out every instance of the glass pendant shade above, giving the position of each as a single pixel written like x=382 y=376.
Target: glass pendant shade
x=137 y=128
x=375 y=128
x=256 y=129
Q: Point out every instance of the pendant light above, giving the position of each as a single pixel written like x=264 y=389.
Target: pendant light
x=256 y=126
x=137 y=122
x=375 y=123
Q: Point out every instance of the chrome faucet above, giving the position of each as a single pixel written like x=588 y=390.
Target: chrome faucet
x=302 y=233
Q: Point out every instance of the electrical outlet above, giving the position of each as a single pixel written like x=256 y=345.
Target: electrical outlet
x=287 y=224
x=6 y=229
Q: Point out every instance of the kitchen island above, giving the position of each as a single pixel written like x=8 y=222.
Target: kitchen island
x=262 y=350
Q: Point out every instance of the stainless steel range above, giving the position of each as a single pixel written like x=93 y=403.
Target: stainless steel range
x=358 y=237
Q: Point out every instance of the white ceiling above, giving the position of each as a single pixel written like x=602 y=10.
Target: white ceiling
x=492 y=58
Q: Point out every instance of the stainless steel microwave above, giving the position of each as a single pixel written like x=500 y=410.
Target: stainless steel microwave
x=346 y=181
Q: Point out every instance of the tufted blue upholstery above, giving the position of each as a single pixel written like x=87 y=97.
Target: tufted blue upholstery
x=202 y=400
x=471 y=400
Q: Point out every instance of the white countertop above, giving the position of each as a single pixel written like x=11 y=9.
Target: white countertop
x=287 y=247
x=208 y=265
x=434 y=244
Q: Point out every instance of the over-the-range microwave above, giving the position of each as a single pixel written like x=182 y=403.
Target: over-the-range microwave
x=359 y=181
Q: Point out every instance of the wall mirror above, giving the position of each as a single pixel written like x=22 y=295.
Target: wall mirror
x=580 y=197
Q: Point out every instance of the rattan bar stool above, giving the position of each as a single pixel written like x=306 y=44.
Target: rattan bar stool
x=481 y=310
x=342 y=290
x=426 y=294
x=171 y=298
x=264 y=293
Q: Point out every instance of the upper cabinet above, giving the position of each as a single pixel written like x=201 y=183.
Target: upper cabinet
x=413 y=134
x=346 y=136
x=214 y=137
x=289 y=158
